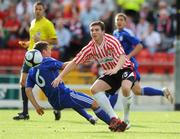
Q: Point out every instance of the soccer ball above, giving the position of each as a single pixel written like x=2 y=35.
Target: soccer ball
x=33 y=57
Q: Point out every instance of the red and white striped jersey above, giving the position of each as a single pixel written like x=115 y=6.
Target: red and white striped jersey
x=107 y=54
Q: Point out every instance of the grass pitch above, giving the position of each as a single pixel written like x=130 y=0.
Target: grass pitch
x=145 y=125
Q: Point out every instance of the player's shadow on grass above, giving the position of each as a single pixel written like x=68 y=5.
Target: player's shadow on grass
x=99 y=122
x=77 y=122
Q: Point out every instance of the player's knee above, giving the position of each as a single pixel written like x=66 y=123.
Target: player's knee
x=23 y=79
x=126 y=91
x=22 y=82
x=136 y=91
x=126 y=87
x=93 y=90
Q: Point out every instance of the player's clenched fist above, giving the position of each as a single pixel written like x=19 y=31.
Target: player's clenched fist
x=40 y=111
x=56 y=82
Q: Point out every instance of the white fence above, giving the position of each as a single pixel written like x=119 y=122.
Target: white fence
x=140 y=102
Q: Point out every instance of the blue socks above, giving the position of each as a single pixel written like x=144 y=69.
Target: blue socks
x=83 y=113
x=101 y=114
x=148 y=91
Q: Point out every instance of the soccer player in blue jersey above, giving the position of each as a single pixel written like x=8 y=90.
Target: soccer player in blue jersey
x=60 y=97
x=132 y=46
x=41 y=29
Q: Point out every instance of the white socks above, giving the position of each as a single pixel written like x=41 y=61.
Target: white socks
x=127 y=101
x=104 y=103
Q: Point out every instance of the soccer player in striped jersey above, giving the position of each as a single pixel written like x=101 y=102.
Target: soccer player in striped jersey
x=118 y=69
x=132 y=46
x=60 y=97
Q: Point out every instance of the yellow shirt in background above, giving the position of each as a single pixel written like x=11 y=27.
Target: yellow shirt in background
x=130 y=4
x=43 y=28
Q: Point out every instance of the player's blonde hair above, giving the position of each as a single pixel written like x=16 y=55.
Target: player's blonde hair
x=122 y=15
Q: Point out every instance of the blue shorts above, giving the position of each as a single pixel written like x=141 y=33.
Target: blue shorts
x=138 y=77
x=75 y=99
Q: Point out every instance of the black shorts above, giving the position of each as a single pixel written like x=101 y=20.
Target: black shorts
x=25 y=68
x=115 y=80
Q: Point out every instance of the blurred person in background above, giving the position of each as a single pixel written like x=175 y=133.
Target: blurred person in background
x=105 y=10
x=75 y=27
x=87 y=16
x=55 y=11
x=147 y=12
x=4 y=35
x=165 y=28
x=131 y=8
x=4 y=4
x=24 y=7
x=152 y=39
x=71 y=8
x=64 y=39
x=23 y=33
x=12 y=25
x=142 y=27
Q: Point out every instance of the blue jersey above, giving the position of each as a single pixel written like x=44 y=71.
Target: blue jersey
x=61 y=96
x=128 y=42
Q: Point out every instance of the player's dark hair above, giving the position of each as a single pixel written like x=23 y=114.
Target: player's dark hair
x=39 y=3
x=98 y=23
x=41 y=45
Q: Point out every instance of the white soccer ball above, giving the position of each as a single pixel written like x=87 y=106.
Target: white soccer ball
x=33 y=57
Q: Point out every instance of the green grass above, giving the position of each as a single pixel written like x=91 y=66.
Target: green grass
x=145 y=125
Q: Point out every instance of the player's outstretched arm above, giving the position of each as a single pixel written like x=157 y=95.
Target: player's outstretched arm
x=65 y=64
x=30 y=96
x=136 y=50
x=119 y=65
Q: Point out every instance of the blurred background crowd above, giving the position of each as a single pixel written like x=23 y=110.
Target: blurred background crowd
x=152 y=21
